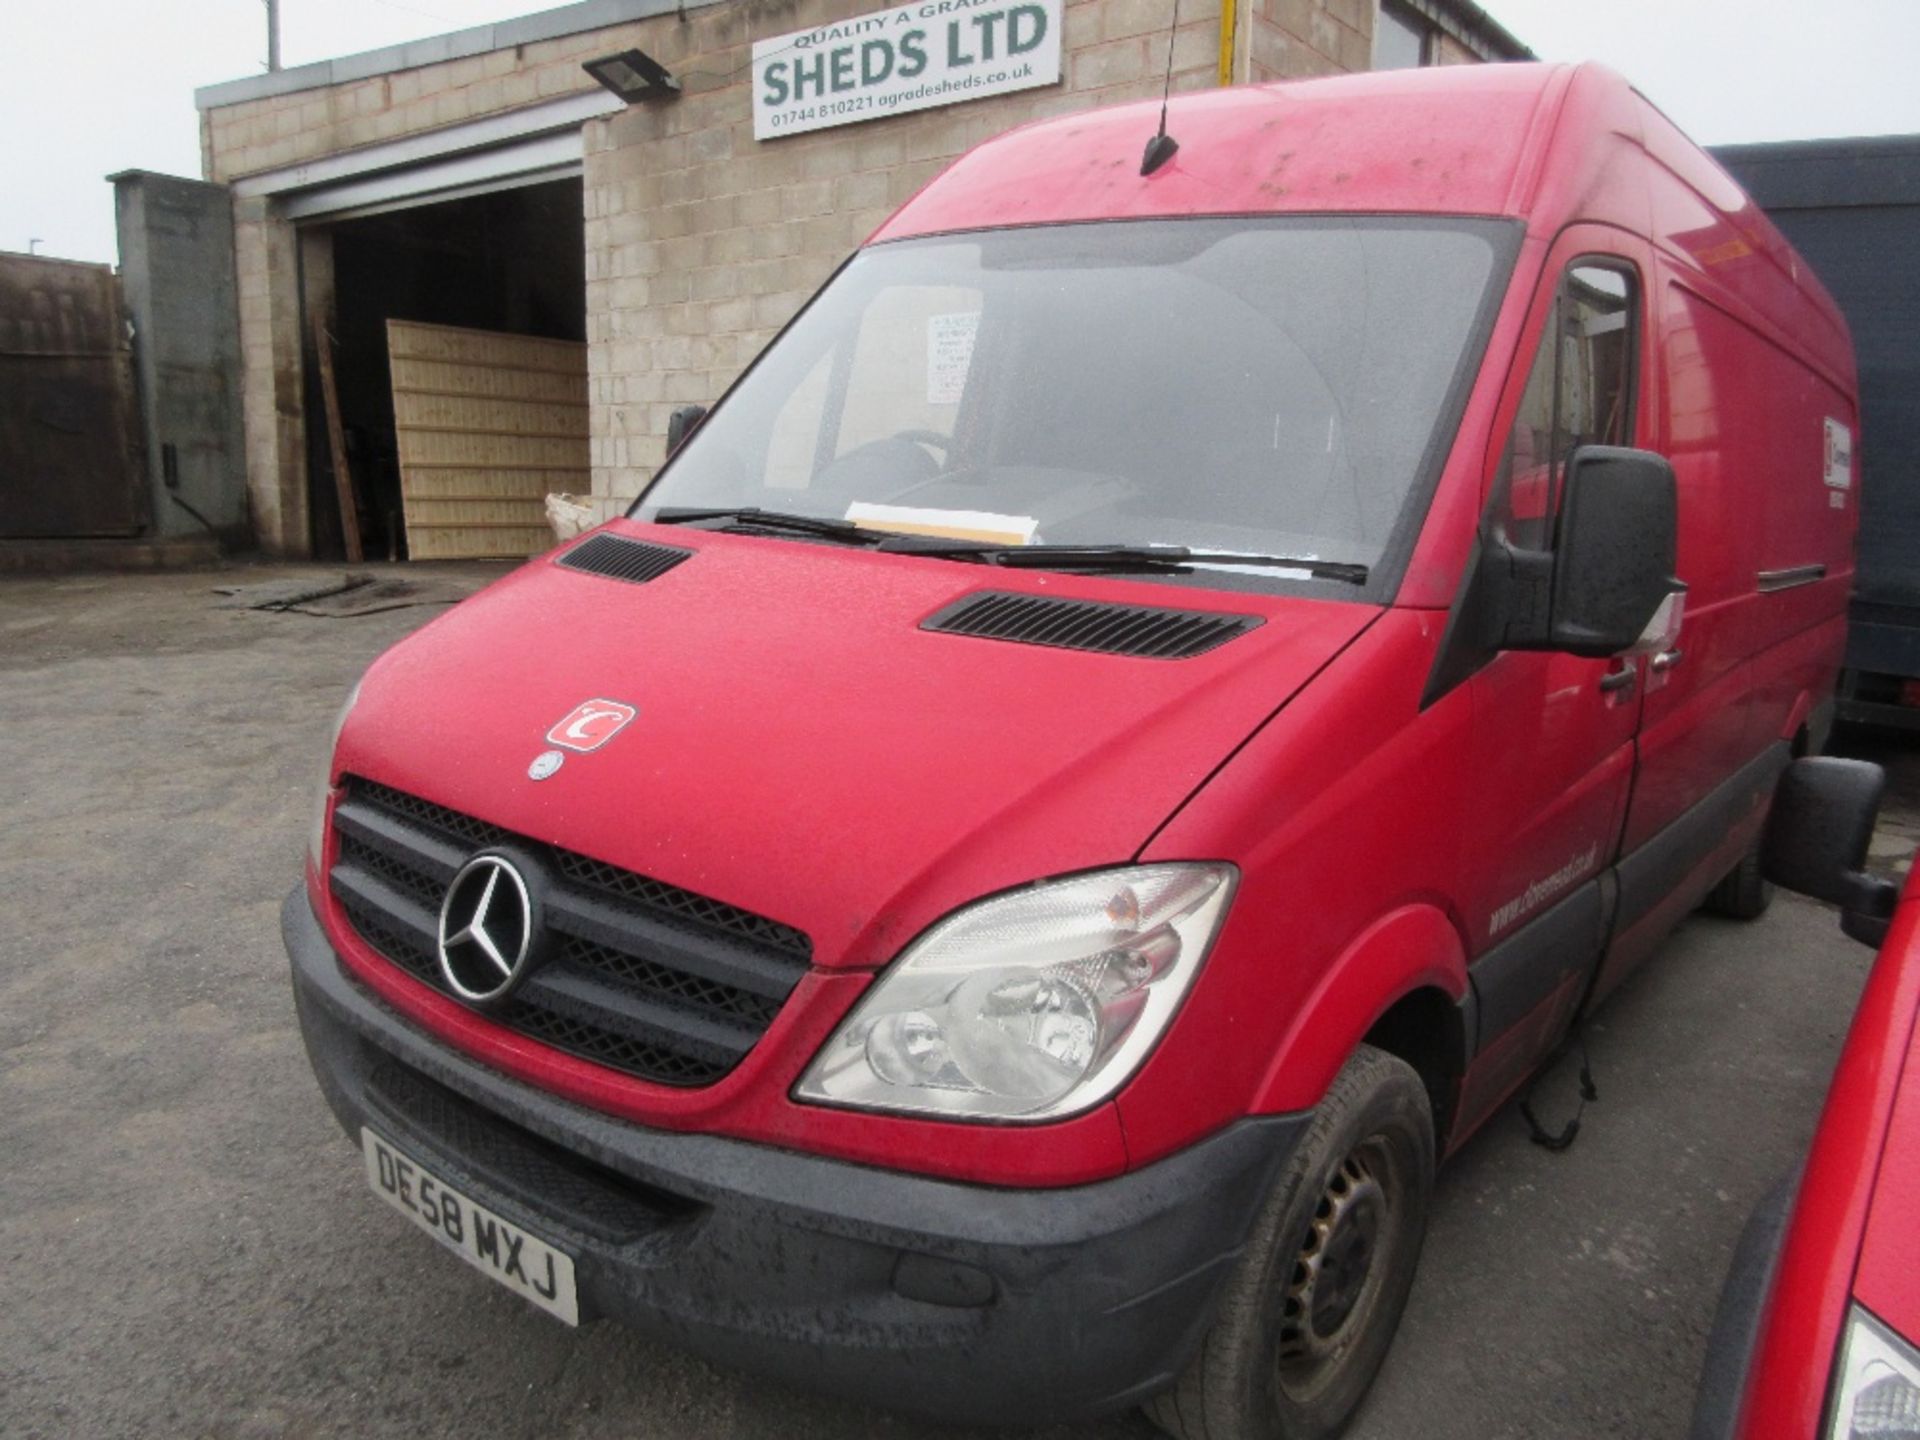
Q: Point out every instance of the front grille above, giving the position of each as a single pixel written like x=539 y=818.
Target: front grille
x=642 y=976
x=1148 y=631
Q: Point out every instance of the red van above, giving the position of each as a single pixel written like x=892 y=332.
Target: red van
x=1132 y=729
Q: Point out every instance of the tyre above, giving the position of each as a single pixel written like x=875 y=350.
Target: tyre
x=1744 y=894
x=1309 y=1313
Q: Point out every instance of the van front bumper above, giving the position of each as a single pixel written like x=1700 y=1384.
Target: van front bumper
x=967 y=1303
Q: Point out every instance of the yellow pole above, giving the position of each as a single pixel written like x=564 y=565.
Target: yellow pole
x=1227 y=18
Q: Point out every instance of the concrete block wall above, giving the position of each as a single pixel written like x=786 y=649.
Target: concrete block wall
x=266 y=272
x=279 y=130
x=1296 y=39
x=177 y=275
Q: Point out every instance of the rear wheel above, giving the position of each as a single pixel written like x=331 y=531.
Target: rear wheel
x=1309 y=1313
x=1744 y=894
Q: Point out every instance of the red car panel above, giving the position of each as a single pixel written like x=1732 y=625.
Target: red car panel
x=1888 y=1280
x=1858 y=1153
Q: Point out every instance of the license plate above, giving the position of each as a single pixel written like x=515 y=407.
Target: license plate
x=519 y=1260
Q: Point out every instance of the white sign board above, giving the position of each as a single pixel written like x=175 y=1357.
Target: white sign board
x=913 y=57
x=949 y=355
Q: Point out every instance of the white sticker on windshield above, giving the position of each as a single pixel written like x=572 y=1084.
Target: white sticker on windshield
x=981 y=525
x=1839 y=456
x=949 y=354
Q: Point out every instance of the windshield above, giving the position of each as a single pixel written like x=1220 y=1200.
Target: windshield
x=1255 y=386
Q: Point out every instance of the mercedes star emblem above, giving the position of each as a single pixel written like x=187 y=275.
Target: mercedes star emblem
x=486 y=930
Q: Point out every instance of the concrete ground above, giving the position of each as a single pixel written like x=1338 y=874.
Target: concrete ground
x=189 y=1247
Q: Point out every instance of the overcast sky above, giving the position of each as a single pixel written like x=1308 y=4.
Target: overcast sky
x=88 y=87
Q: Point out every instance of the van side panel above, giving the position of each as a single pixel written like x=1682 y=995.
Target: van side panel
x=1794 y=691
x=1710 y=227
x=1765 y=543
x=1755 y=361
x=1343 y=814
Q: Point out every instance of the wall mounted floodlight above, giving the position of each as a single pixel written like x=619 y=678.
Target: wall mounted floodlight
x=633 y=75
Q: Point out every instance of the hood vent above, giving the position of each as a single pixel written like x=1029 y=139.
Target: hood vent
x=618 y=558
x=1144 y=630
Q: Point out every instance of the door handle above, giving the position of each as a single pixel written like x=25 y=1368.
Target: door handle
x=1667 y=659
x=1617 y=680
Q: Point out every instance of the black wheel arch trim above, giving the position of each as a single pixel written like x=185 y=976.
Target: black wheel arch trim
x=1736 y=1320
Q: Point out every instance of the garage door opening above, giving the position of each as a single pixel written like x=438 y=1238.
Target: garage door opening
x=456 y=334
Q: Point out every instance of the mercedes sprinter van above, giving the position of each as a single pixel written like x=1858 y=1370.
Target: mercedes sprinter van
x=1140 y=721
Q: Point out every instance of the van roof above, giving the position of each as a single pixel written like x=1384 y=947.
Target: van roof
x=1547 y=144
x=1445 y=139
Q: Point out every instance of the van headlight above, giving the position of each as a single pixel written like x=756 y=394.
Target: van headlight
x=1878 y=1394
x=1031 y=1005
x=317 y=830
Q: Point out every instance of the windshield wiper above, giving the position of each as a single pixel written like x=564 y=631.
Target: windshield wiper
x=1114 y=558
x=1120 y=558
x=755 y=518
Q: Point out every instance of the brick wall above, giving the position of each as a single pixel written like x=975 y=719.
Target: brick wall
x=701 y=241
x=279 y=130
x=267 y=278
x=1295 y=39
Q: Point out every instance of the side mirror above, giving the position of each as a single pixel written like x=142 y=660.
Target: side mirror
x=1611 y=573
x=1619 y=535
x=682 y=423
x=1817 y=836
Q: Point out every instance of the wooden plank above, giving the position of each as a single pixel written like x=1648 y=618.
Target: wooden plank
x=487 y=425
x=480 y=412
x=491 y=452
x=471 y=542
x=461 y=395
x=485 y=511
x=421 y=374
x=337 y=440
x=418 y=330
x=567 y=469
x=480 y=347
x=468 y=484
x=529 y=431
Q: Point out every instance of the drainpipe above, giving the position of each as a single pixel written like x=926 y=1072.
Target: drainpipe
x=1228 y=16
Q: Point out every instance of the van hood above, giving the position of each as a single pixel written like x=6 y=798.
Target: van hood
x=801 y=747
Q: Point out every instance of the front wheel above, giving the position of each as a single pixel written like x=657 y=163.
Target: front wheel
x=1309 y=1313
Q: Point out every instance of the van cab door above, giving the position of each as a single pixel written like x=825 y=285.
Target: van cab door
x=1554 y=733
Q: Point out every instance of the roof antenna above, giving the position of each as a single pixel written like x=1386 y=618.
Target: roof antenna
x=1161 y=147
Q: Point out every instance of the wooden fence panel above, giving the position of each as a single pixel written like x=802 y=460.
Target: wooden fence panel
x=70 y=443
x=488 y=426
